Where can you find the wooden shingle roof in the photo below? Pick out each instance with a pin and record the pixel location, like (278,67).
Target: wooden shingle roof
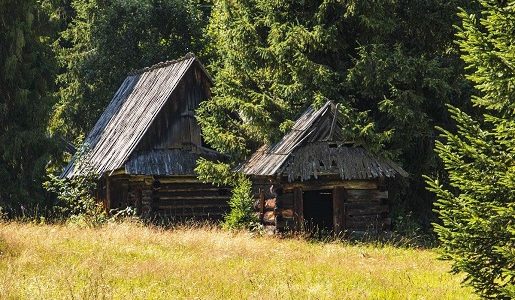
(315,145)
(165,162)
(129,115)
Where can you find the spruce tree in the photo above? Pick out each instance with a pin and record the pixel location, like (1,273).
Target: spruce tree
(102,41)
(477,203)
(271,61)
(391,72)
(26,76)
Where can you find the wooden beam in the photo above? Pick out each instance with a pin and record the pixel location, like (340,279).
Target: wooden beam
(178,179)
(108,195)
(261,205)
(330,184)
(119,171)
(298,208)
(338,209)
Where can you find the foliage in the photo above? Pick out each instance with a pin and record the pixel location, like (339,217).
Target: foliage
(26,75)
(215,172)
(103,40)
(75,200)
(404,76)
(477,204)
(270,63)
(391,72)
(242,214)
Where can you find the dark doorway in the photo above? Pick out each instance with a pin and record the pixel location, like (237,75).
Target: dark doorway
(119,190)
(318,210)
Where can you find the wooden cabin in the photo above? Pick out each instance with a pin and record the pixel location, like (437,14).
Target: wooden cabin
(312,179)
(145,145)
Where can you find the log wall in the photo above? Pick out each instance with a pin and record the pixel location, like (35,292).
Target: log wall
(178,197)
(357,205)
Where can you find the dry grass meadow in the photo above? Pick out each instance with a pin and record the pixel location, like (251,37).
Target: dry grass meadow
(131,261)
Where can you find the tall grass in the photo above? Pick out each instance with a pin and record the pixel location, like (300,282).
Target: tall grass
(132,261)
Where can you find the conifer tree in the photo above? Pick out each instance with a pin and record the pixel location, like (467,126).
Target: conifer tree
(477,204)
(26,75)
(272,60)
(391,72)
(104,40)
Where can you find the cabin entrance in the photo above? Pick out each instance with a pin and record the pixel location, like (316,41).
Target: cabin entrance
(318,210)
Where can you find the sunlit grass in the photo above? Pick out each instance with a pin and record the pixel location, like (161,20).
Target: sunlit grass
(131,261)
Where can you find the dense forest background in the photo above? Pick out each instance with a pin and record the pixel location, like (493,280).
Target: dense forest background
(427,83)
(393,66)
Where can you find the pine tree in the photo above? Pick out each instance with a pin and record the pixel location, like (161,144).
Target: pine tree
(391,72)
(104,40)
(477,205)
(272,60)
(26,75)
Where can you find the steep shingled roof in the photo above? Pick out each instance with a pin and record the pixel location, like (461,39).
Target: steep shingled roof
(315,145)
(129,115)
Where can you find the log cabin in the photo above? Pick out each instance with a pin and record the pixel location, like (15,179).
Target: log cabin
(144,146)
(314,180)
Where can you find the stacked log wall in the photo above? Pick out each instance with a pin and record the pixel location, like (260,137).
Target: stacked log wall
(176,198)
(191,200)
(357,205)
(366,210)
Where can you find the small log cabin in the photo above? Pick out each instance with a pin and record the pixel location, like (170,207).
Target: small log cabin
(312,179)
(145,145)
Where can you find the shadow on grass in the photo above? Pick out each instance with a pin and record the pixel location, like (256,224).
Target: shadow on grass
(371,237)
(313,234)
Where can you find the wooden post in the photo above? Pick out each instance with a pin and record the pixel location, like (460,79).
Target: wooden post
(298,208)
(338,209)
(108,195)
(261,205)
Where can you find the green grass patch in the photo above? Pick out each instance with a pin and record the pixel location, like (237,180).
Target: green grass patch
(130,261)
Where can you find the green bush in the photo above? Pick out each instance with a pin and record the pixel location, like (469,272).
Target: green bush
(242,214)
(75,200)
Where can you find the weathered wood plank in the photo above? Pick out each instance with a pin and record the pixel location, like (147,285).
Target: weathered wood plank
(338,209)
(269,217)
(298,208)
(368,194)
(366,210)
(269,204)
(195,193)
(191,198)
(108,195)
(330,184)
(189,206)
(262,205)
(194,201)
(287,213)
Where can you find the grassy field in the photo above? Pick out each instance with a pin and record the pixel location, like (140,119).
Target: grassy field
(130,261)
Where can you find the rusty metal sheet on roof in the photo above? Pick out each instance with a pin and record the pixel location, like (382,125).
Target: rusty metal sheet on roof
(129,114)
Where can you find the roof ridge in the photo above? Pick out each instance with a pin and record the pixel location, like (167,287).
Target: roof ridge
(162,64)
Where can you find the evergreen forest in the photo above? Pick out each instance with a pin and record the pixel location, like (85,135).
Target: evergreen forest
(428,84)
